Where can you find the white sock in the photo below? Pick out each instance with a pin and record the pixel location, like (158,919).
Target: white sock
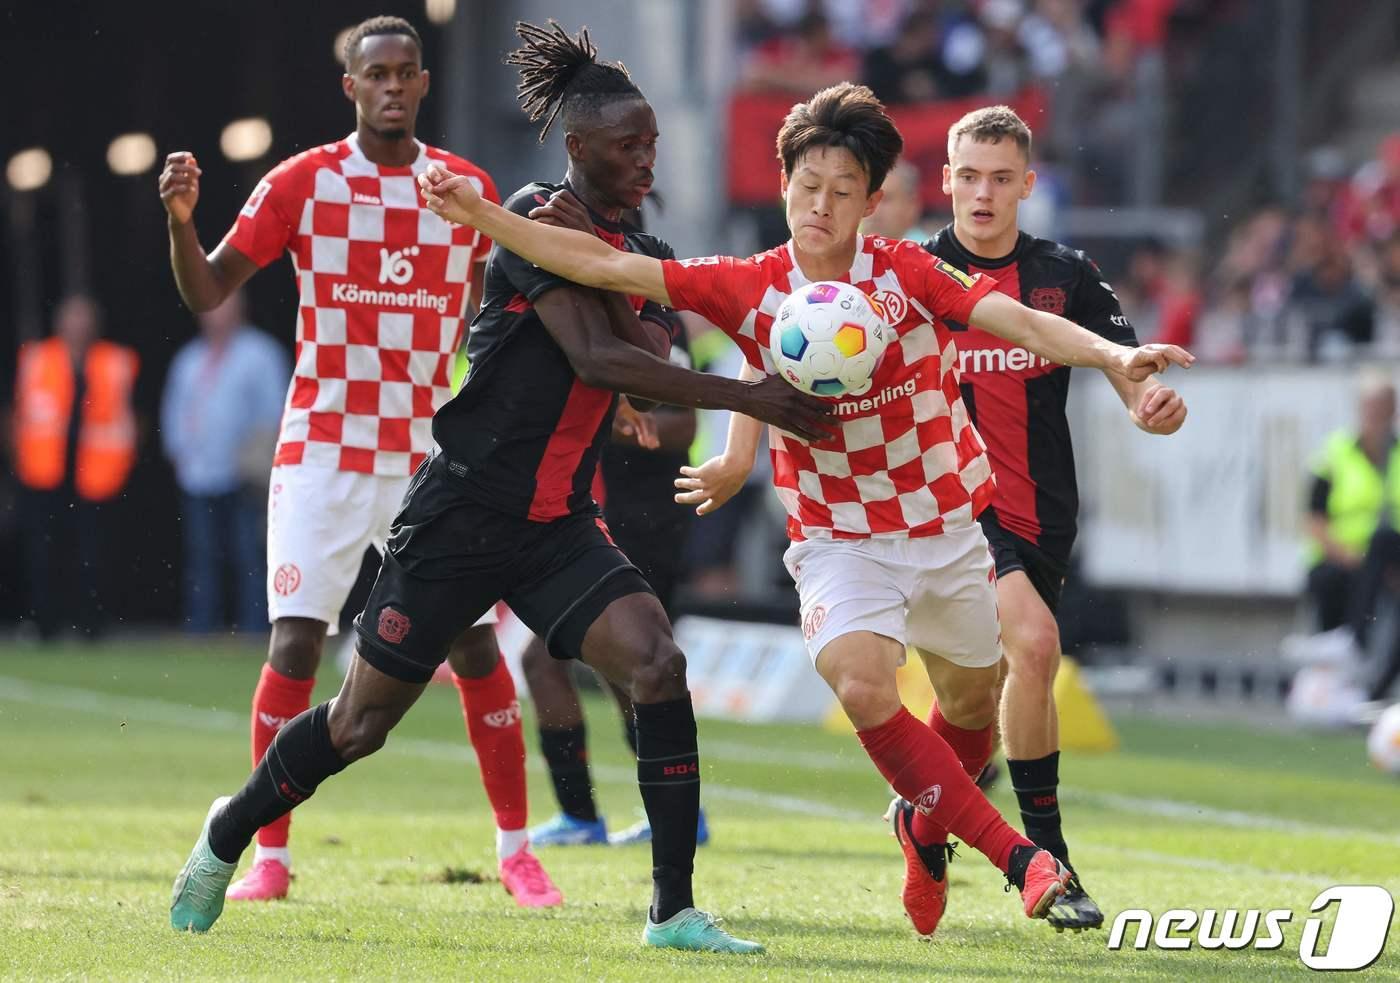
(509,842)
(281,854)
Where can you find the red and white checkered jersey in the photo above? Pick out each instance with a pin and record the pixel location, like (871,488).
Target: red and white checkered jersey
(384,284)
(906,460)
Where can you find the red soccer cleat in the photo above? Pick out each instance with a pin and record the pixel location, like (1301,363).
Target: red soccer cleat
(925,871)
(527,881)
(1045,880)
(267,881)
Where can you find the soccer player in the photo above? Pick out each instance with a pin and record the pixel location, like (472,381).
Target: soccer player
(634,489)
(383,288)
(1017,402)
(504,510)
(886,552)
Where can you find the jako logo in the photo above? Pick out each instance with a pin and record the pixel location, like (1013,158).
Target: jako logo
(395,267)
(1358,937)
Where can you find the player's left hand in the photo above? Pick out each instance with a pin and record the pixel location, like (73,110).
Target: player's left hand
(1161,410)
(711,484)
(1147,360)
(452,197)
(629,423)
(565,211)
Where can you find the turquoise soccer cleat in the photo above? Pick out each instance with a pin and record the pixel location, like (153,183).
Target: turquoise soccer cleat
(198,897)
(694,930)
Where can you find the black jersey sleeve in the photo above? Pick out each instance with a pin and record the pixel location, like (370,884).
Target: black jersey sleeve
(1095,306)
(660,314)
(524,276)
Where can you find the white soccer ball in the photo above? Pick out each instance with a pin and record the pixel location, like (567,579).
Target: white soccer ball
(827,339)
(1383,744)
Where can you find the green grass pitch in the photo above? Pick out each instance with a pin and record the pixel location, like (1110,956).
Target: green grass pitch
(109,757)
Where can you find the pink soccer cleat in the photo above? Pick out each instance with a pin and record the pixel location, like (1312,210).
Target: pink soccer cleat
(527,882)
(267,881)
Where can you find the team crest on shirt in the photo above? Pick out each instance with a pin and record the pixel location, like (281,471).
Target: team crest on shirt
(1049,299)
(955,274)
(393,625)
(890,305)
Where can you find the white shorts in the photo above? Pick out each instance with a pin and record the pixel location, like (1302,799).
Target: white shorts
(937,593)
(319,522)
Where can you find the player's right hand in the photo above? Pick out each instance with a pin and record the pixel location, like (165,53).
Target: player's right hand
(774,401)
(711,484)
(450,196)
(179,185)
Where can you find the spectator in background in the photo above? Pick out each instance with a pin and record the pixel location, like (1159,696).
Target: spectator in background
(1373,202)
(218,420)
(74,441)
(907,69)
(1347,499)
(900,209)
(802,62)
(1335,312)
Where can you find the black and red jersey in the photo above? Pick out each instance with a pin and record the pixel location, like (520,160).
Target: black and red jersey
(1016,398)
(524,433)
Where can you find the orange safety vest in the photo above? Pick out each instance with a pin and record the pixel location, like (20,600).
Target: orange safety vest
(43,408)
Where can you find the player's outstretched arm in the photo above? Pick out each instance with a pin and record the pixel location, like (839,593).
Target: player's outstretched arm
(576,320)
(1066,343)
(720,478)
(575,256)
(1153,407)
(204,282)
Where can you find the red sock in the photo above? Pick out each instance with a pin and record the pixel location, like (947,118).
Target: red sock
(277,700)
(974,750)
(493,723)
(923,769)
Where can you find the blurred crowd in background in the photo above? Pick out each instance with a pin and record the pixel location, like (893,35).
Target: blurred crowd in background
(1206,253)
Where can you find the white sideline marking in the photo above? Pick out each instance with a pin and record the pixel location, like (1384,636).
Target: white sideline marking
(121,707)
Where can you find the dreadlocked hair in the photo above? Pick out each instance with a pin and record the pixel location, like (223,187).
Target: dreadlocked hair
(560,74)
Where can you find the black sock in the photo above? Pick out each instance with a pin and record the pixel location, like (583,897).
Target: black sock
(629,732)
(299,758)
(668,775)
(1036,783)
(566,753)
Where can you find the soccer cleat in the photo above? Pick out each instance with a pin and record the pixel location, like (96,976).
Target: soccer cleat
(1043,882)
(1074,910)
(694,931)
(988,776)
(197,899)
(565,830)
(925,871)
(640,832)
(527,881)
(267,881)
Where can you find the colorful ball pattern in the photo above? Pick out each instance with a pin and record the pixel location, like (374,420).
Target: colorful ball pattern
(827,339)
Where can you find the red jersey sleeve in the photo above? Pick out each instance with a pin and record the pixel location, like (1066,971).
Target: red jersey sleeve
(721,289)
(948,292)
(268,220)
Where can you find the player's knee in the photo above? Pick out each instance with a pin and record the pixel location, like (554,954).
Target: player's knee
(295,647)
(357,734)
(474,655)
(866,702)
(659,673)
(1036,654)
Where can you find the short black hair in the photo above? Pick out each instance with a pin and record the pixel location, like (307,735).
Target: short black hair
(560,75)
(843,115)
(376,26)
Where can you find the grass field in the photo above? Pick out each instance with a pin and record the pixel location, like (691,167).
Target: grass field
(109,758)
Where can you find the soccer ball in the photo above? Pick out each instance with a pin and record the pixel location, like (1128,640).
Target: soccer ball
(827,339)
(1383,744)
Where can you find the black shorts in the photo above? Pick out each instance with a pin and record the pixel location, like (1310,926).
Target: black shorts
(1010,553)
(657,549)
(449,559)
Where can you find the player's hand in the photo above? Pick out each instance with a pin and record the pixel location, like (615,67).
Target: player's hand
(631,424)
(1161,410)
(711,484)
(774,401)
(179,185)
(1146,361)
(452,197)
(565,211)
